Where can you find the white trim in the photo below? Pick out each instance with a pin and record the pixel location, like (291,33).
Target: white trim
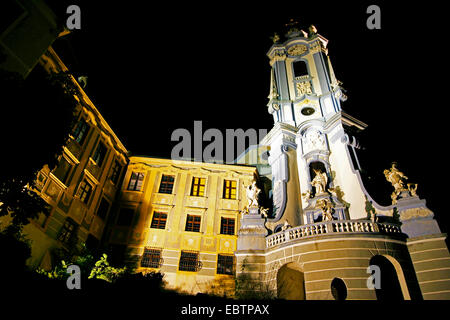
(428,250)
(428,260)
(346,268)
(437,292)
(429,281)
(425,240)
(429,270)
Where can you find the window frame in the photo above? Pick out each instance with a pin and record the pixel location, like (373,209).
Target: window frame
(90,192)
(100,162)
(67,230)
(152,258)
(222,266)
(189,263)
(102,200)
(163,184)
(67,173)
(226,227)
(158,219)
(76,133)
(139,174)
(195,187)
(193,225)
(228,190)
(116,171)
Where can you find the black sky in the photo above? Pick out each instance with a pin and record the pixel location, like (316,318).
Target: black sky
(157,67)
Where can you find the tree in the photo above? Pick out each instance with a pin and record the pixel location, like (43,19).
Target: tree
(37,114)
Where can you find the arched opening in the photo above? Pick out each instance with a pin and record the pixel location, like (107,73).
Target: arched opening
(291,282)
(392,284)
(338,289)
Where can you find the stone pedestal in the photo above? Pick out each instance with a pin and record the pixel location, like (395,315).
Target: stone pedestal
(251,235)
(417,220)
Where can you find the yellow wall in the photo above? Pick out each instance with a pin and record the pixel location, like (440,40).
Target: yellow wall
(208,242)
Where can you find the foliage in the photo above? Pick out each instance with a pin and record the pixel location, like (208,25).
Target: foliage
(30,136)
(102,270)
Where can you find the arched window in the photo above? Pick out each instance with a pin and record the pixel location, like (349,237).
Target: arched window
(338,289)
(300,68)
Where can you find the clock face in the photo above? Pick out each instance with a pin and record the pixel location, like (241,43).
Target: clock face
(307,111)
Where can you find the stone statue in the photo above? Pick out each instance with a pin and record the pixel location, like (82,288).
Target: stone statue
(320,181)
(395,177)
(371,212)
(312,30)
(285,225)
(327,209)
(412,187)
(264,212)
(252,195)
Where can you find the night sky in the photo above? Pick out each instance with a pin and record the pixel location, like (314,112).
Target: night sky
(155,68)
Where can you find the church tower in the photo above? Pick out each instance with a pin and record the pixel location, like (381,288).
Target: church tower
(308,140)
(324,232)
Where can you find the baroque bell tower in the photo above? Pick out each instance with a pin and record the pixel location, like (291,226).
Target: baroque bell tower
(310,152)
(324,227)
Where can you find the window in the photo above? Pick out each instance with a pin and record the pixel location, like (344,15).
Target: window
(99,154)
(62,170)
(229,189)
(193,223)
(125,217)
(166,185)
(198,187)
(67,231)
(189,261)
(80,131)
(151,258)
(84,191)
(227,226)
(136,180)
(115,172)
(300,68)
(159,220)
(103,208)
(225,264)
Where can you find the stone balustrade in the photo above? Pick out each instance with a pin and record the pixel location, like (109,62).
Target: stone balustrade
(331,227)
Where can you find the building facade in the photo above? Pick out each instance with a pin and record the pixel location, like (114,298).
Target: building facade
(82,188)
(181,218)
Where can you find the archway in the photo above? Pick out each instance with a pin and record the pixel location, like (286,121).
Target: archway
(291,282)
(392,280)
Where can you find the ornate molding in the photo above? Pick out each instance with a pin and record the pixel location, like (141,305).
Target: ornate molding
(297,50)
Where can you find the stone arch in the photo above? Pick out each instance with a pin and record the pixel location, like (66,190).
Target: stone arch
(291,282)
(393,282)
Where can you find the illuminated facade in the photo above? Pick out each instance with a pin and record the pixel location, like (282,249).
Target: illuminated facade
(193,222)
(182,218)
(326,230)
(82,188)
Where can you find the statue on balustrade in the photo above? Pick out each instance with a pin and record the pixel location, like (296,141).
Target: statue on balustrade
(327,209)
(253,194)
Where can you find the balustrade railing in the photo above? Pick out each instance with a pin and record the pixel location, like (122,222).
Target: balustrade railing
(331,227)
